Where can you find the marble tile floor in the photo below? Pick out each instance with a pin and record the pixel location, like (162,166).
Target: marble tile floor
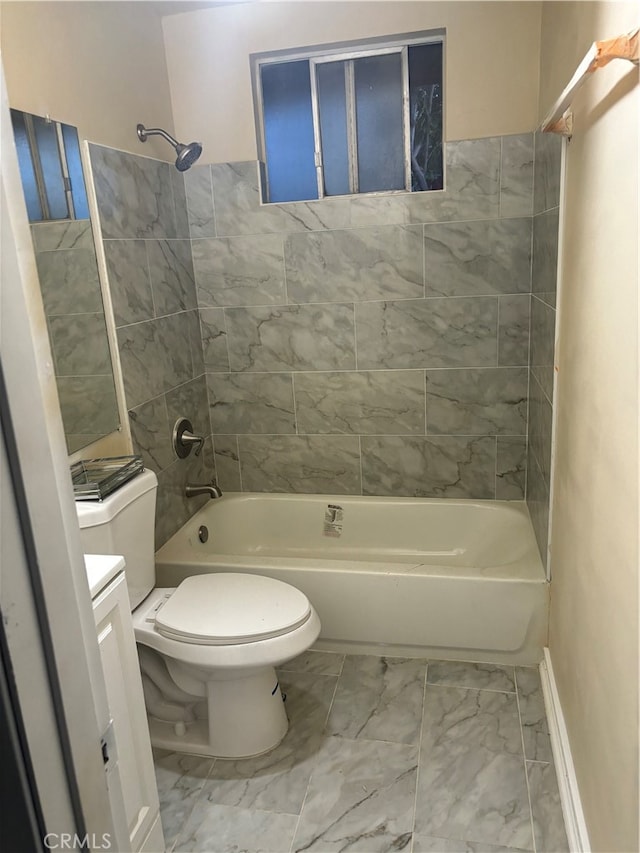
(382,754)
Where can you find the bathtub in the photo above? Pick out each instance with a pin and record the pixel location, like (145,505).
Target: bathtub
(454,579)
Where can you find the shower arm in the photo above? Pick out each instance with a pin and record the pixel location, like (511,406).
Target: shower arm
(144,132)
(186,154)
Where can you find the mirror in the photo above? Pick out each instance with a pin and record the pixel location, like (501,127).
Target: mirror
(56,198)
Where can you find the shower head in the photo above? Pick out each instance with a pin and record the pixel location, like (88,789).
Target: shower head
(187,154)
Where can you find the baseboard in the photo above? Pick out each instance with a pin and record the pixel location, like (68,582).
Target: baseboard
(574,821)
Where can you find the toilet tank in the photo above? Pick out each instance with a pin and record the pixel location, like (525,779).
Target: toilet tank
(123,523)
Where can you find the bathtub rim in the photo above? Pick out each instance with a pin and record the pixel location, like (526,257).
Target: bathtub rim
(528,567)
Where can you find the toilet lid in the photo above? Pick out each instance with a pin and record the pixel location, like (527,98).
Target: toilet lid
(227,608)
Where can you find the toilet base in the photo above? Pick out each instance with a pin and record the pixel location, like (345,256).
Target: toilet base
(246,717)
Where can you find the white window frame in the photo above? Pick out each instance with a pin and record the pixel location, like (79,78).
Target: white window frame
(319,56)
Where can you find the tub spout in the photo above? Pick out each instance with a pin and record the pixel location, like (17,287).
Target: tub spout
(212,489)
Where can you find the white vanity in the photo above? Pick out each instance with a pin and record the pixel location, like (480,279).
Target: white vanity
(129,763)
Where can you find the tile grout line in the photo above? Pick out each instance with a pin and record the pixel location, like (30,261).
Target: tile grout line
(424,262)
(355,337)
(284,272)
(237,438)
(324,735)
(425,379)
(295,407)
(345,370)
(524,762)
(192,809)
(530,347)
(303,232)
(416,435)
(226,339)
(375,301)
(415,799)
(529,375)
(151,289)
(213,204)
(335,690)
(466,687)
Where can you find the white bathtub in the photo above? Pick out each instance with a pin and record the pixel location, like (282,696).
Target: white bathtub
(400,576)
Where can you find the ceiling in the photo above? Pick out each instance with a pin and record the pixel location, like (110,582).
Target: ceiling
(178,7)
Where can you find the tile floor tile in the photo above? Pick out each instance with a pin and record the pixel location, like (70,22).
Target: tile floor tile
(548,823)
(473,718)
(224,829)
(431,844)
(484,676)
(379,698)
(535,728)
(472,783)
(339,782)
(322,663)
(473,793)
(277,781)
(360,797)
(180,779)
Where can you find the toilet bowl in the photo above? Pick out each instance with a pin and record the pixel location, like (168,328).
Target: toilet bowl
(208,648)
(220,636)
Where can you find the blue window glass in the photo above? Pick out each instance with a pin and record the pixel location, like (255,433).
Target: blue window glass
(27,171)
(379,114)
(288,131)
(47,140)
(47,151)
(76,175)
(332,107)
(373,125)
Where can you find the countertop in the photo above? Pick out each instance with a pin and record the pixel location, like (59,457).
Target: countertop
(101,568)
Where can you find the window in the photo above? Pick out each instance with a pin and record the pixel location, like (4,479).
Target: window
(364,120)
(50,168)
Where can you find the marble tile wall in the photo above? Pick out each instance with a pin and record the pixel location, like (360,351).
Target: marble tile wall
(145,233)
(368,345)
(546,197)
(68,272)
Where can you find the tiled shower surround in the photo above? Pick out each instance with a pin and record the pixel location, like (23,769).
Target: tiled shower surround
(145,233)
(375,345)
(68,273)
(548,149)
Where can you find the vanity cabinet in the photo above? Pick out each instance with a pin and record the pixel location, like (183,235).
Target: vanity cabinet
(127,747)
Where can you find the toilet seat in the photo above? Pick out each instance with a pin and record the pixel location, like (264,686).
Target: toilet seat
(230,608)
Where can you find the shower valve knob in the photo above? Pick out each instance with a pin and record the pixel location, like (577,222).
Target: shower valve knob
(184,439)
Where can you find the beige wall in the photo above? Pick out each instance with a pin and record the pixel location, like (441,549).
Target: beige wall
(98,66)
(594,600)
(491,61)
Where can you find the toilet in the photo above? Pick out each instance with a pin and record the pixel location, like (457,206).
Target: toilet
(208,648)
